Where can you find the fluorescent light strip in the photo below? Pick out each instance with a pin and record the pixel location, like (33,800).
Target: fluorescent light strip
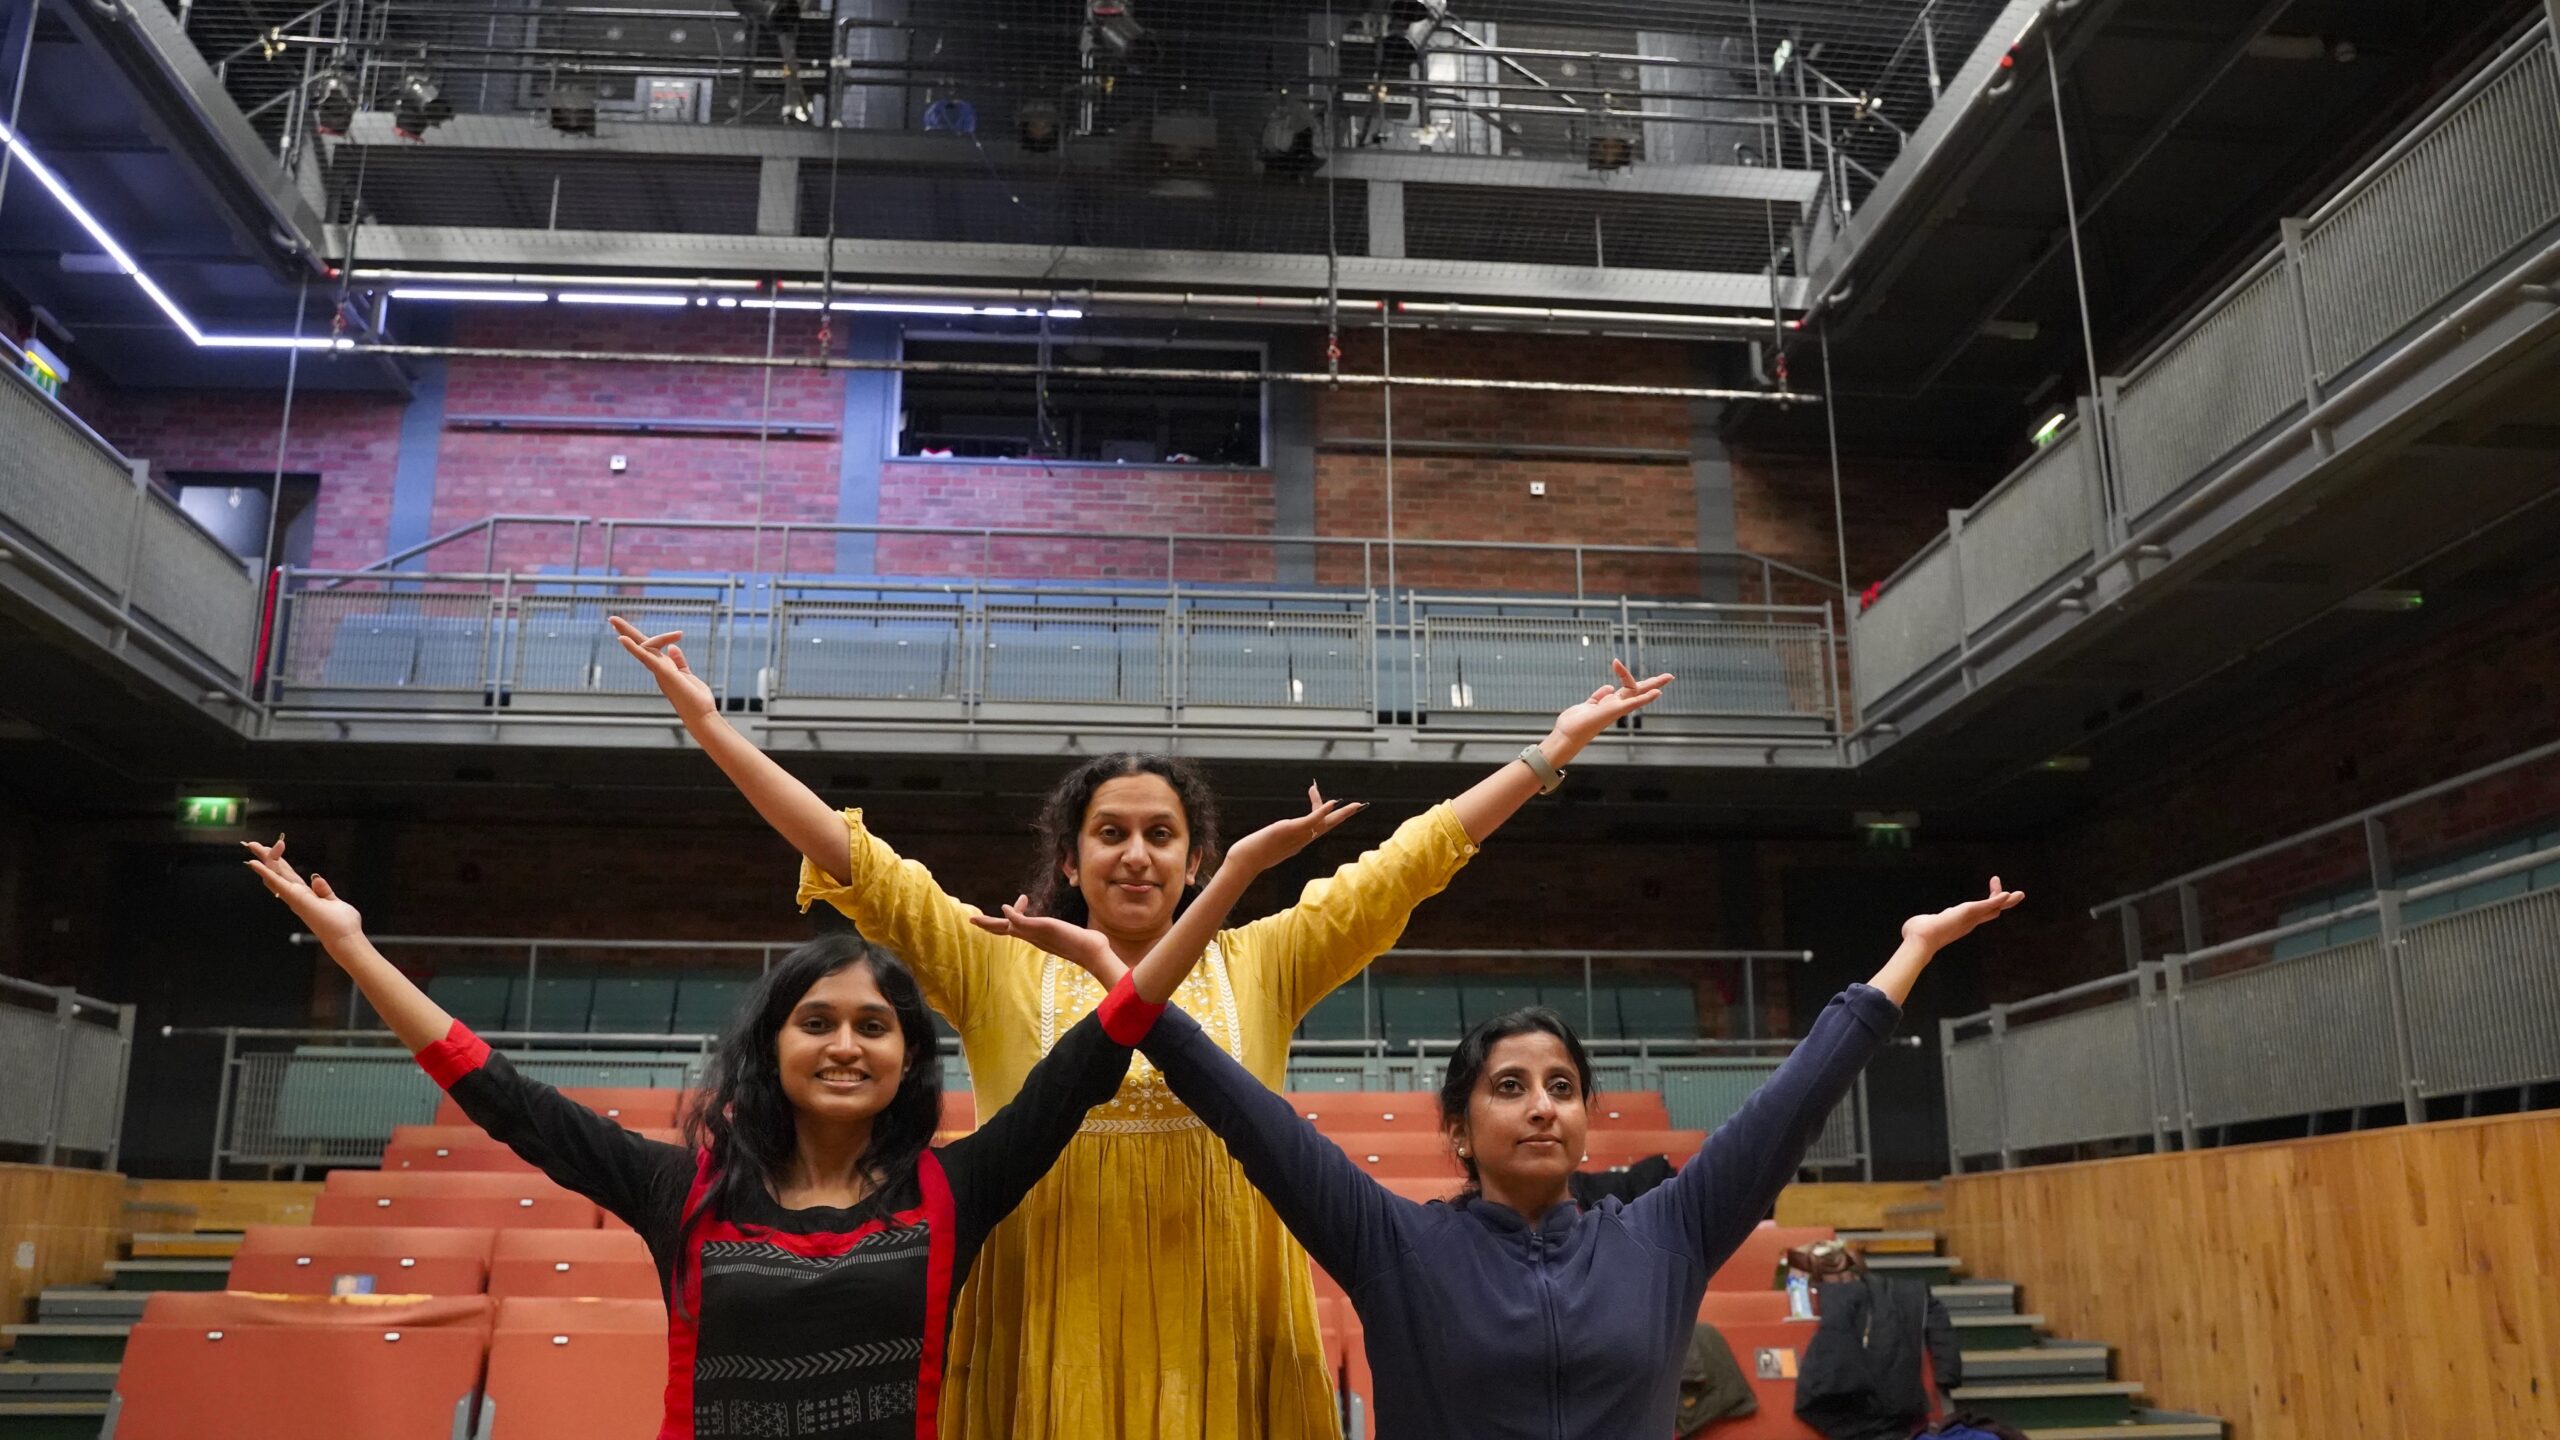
(625,298)
(479,277)
(481,297)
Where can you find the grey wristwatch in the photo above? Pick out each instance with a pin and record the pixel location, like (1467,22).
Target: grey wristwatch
(1549,777)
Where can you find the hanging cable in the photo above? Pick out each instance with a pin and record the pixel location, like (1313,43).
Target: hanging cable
(2079,268)
(1839,525)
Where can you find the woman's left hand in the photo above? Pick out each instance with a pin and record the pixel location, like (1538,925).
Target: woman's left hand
(1088,950)
(1947,926)
(1281,839)
(1581,724)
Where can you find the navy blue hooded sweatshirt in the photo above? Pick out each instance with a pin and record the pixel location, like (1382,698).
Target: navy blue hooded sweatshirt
(1483,1324)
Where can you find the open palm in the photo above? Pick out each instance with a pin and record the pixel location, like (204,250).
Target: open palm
(1609,704)
(666,663)
(1087,950)
(1957,921)
(313,903)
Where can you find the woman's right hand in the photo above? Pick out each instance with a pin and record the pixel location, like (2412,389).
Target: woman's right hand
(328,918)
(1281,839)
(685,690)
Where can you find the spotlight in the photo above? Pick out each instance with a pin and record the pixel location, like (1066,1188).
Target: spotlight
(1184,140)
(1288,145)
(333,100)
(1115,22)
(1037,123)
(1611,148)
(419,106)
(573,107)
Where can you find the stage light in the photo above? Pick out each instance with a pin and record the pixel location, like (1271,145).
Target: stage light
(332,98)
(572,107)
(1288,147)
(1036,122)
(419,106)
(1115,22)
(1612,147)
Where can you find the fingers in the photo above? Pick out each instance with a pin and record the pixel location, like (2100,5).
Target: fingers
(1342,811)
(675,654)
(1626,679)
(992,924)
(320,887)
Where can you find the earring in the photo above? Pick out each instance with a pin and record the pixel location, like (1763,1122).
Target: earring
(1462,1152)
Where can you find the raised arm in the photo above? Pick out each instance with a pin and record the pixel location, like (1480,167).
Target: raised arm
(794,810)
(994,1166)
(1499,796)
(1707,1209)
(640,1180)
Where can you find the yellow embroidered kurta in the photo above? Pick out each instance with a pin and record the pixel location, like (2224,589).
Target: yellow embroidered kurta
(1144,1288)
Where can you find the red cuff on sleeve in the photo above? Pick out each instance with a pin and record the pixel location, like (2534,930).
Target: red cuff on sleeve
(458,1054)
(1125,1017)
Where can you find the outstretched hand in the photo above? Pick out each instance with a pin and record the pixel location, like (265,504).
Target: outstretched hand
(318,907)
(1281,839)
(685,690)
(1088,950)
(1579,725)
(1957,921)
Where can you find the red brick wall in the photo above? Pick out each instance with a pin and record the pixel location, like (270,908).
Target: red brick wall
(1135,501)
(1486,497)
(1782,509)
(2483,690)
(351,441)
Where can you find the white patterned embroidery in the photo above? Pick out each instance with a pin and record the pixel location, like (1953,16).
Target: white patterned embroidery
(1145,1104)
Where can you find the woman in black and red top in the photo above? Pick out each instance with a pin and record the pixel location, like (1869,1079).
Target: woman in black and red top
(809,1236)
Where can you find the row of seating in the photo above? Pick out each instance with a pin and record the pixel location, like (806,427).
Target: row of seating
(1022,653)
(687,1002)
(1405,1009)
(230,1366)
(443,1260)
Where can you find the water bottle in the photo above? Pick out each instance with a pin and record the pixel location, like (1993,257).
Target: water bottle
(1799,1295)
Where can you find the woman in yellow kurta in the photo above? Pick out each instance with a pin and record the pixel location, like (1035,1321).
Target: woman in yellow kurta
(1143,1289)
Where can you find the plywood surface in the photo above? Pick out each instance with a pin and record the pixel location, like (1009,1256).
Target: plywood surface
(2395,1284)
(57,1227)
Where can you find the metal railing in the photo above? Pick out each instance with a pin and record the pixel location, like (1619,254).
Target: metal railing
(2462,198)
(63,1061)
(2226,1032)
(509,645)
(88,522)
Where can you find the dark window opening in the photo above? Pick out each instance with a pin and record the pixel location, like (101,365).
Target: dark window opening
(232,507)
(1213,420)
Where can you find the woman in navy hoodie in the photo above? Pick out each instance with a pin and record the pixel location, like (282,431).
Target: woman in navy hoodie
(1510,1311)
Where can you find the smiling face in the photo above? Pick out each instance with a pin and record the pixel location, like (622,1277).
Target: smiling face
(1526,1121)
(1133,857)
(841,1052)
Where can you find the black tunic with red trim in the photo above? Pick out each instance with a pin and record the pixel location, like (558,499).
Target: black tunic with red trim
(816,1322)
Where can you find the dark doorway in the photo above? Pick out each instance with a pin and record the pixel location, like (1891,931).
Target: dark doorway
(232,507)
(1851,917)
(195,941)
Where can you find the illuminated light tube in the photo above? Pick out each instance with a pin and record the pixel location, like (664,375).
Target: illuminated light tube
(621,297)
(1624,317)
(485,277)
(487,297)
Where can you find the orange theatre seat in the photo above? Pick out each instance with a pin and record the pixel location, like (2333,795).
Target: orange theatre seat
(1721,1308)
(576,1370)
(469,1148)
(208,1365)
(959,1112)
(361,1260)
(1781,1344)
(637,1109)
(1755,1265)
(1616,1149)
(1348,1112)
(484,1200)
(569,1264)
(1614,1110)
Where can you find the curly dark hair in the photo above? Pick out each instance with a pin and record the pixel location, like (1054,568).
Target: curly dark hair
(1467,1062)
(1061,820)
(740,1115)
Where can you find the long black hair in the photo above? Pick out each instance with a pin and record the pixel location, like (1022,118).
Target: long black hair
(1467,1062)
(743,1119)
(1061,820)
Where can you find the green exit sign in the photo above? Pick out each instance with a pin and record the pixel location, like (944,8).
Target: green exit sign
(212,812)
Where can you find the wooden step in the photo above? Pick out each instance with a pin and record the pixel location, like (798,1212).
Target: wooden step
(2048,1403)
(168,1274)
(92,1343)
(2145,1425)
(95,1304)
(54,1417)
(1915,1210)
(1978,1297)
(1891,1242)
(2059,1359)
(18,1377)
(186,1245)
(1933,1269)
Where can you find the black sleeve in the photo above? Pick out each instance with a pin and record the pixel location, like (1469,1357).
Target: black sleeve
(643,1182)
(993,1167)
(1946,1360)
(1590,1187)
(1352,1225)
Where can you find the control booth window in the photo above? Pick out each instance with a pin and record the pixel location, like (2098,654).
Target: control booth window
(1216,419)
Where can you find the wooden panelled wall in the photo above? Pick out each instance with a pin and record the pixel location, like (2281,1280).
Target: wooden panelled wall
(57,1227)
(2396,1284)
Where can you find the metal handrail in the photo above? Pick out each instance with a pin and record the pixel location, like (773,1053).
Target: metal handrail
(67,1006)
